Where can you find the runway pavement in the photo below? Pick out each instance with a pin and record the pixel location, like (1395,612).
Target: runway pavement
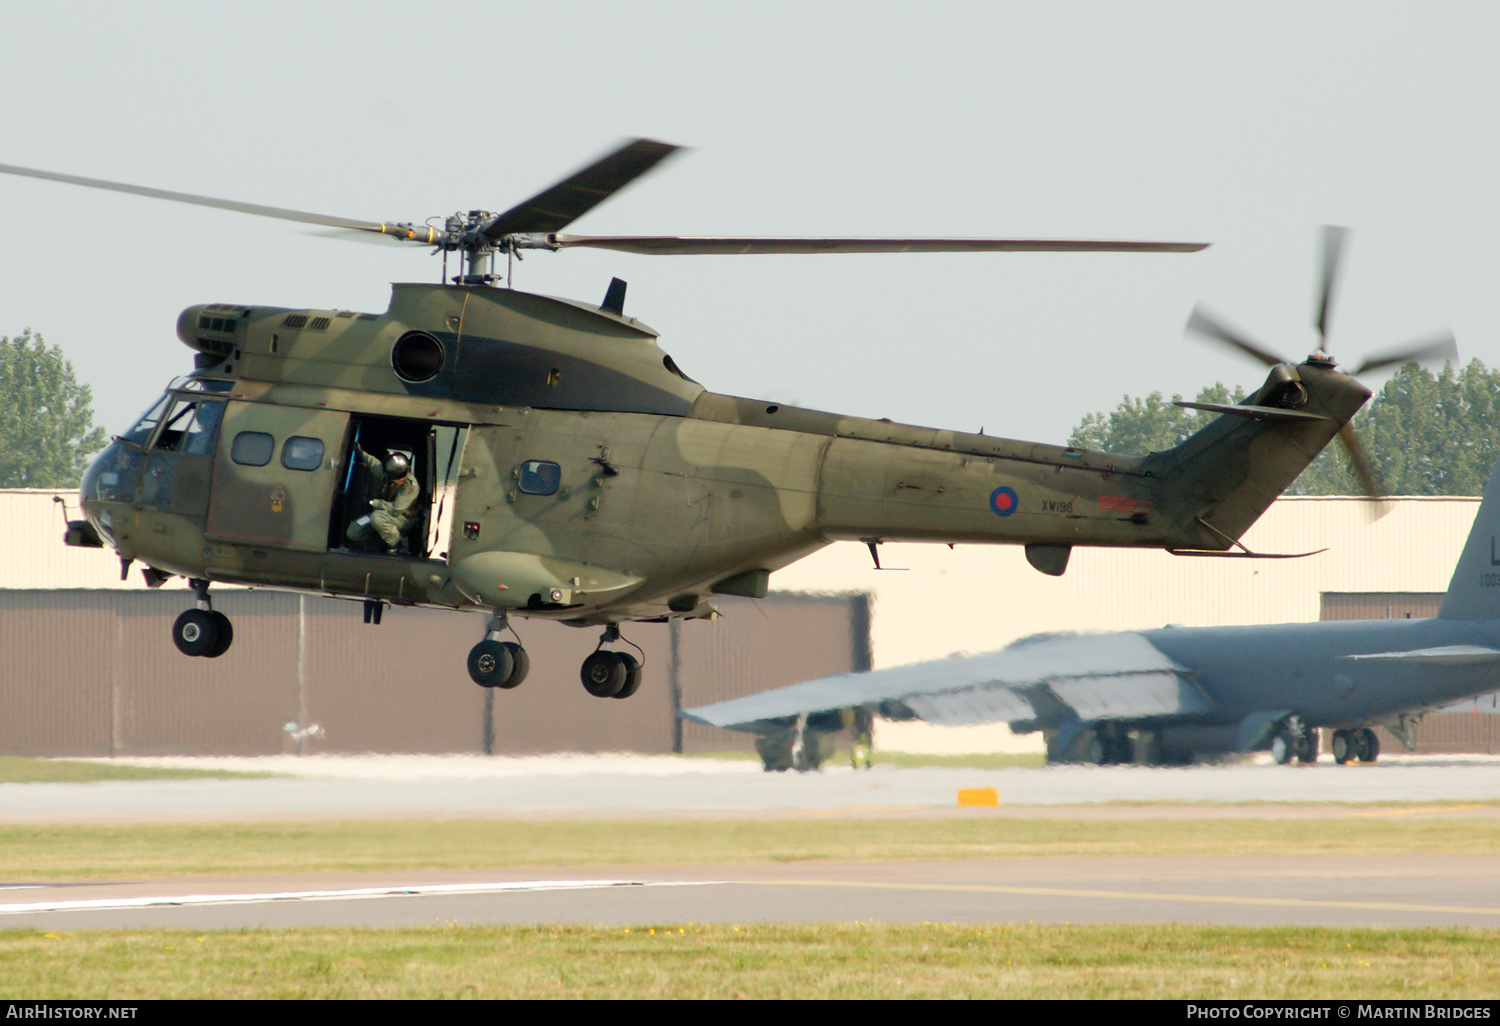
(1440,889)
(658,785)
(1373,891)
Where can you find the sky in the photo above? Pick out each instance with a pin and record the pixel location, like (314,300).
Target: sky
(1246,125)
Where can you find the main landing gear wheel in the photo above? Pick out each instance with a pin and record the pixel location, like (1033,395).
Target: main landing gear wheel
(605,674)
(491,664)
(498,664)
(1355,746)
(632,675)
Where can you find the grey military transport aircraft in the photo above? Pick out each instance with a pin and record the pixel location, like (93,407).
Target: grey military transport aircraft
(1173,695)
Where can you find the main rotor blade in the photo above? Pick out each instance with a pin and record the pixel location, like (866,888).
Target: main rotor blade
(1445,346)
(673,245)
(1202,323)
(1333,251)
(202,201)
(557,207)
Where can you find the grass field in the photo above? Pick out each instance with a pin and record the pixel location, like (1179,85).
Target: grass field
(15,769)
(144,850)
(838,960)
(686,960)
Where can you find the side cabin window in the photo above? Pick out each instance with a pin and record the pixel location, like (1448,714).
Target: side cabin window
(540,477)
(252,448)
(302,453)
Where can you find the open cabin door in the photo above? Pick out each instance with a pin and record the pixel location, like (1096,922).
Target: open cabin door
(435,453)
(275,474)
(446,452)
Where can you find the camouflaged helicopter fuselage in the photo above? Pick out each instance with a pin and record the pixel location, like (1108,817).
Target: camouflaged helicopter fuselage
(662,494)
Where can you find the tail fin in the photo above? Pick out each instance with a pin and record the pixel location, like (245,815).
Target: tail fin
(1474,591)
(1218,482)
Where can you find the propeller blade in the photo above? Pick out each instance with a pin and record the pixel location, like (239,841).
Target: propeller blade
(1445,346)
(1333,251)
(555,208)
(1204,324)
(203,201)
(1363,469)
(672,245)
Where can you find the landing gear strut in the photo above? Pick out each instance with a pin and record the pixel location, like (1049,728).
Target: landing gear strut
(608,674)
(203,631)
(498,664)
(1294,740)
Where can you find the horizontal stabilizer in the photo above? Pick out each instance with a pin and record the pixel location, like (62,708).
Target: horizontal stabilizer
(1255,412)
(1445,655)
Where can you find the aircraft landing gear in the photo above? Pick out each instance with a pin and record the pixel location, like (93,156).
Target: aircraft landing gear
(609,674)
(498,664)
(1355,746)
(1293,740)
(203,631)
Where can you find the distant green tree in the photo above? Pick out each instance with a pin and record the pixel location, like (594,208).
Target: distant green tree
(1139,426)
(47,427)
(1423,434)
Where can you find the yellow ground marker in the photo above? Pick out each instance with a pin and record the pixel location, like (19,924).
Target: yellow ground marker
(981,796)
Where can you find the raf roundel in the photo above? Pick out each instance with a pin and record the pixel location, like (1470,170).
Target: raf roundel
(1004,501)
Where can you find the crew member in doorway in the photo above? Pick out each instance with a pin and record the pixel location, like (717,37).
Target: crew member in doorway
(393,503)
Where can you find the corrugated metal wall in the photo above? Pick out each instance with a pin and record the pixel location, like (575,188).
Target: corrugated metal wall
(95,673)
(1449,733)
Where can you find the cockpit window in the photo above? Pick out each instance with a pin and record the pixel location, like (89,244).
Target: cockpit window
(199,440)
(141,432)
(189,426)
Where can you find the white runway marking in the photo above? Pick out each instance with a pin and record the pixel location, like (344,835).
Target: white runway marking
(348,894)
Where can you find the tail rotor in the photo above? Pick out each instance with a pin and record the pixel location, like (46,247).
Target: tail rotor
(1444,346)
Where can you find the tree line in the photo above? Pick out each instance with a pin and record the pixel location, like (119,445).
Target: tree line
(47,431)
(1423,433)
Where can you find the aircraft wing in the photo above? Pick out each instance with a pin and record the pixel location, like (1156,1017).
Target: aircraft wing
(1035,683)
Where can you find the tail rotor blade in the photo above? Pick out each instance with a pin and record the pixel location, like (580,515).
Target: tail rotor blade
(1205,324)
(1444,347)
(1364,470)
(1333,252)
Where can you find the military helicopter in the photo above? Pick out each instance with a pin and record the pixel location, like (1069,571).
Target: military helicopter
(569,470)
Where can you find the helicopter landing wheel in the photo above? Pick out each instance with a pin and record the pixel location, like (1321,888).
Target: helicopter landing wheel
(604,674)
(520,664)
(491,664)
(225,631)
(196,632)
(632,675)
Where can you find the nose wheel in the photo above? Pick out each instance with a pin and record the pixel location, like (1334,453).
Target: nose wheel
(203,631)
(610,674)
(498,664)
